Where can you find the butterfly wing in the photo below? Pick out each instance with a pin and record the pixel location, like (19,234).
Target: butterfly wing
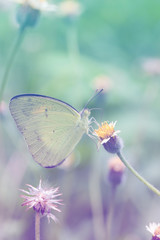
(49,126)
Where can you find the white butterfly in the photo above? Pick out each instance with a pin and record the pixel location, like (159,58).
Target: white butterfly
(51,127)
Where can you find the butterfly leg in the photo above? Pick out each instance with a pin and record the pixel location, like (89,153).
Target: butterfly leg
(93,120)
(95,139)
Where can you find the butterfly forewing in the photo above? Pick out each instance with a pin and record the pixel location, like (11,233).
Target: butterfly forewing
(49,126)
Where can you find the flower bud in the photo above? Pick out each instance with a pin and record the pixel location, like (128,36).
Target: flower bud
(116,171)
(27,16)
(113,145)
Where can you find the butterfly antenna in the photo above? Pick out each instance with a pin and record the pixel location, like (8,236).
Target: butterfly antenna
(95,109)
(97,92)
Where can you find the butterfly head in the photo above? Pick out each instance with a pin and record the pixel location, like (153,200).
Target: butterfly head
(84,120)
(85,113)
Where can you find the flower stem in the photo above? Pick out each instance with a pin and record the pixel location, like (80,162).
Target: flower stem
(10,61)
(37,226)
(72,40)
(127,164)
(96,201)
(73,51)
(109,220)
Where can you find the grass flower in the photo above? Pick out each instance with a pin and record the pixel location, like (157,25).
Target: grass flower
(3,108)
(42,200)
(108,137)
(41,5)
(154,229)
(151,66)
(70,8)
(29,11)
(106,131)
(102,82)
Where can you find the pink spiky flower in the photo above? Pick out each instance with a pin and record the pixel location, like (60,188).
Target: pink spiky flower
(43,201)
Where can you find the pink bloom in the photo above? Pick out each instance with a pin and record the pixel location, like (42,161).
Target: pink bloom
(42,200)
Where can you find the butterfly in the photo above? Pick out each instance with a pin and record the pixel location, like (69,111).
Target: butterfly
(52,128)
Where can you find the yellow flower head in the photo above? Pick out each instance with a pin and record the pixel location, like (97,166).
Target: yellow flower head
(106,131)
(108,137)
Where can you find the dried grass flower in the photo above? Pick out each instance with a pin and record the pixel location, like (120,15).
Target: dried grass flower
(42,200)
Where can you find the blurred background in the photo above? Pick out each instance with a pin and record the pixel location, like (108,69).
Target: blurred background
(85,45)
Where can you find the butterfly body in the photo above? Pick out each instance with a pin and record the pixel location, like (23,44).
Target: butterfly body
(51,127)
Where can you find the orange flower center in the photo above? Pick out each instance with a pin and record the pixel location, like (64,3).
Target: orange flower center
(105,130)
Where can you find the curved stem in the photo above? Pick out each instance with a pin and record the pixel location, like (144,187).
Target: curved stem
(37,226)
(10,61)
(127,164)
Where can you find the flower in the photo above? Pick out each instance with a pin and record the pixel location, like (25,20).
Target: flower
(102,82)
(151,66)
(42,200)
(41,5)
(70,8)
(106,131)
(116,170)
(108,137)
(29,11)
(3,108)
(154,229)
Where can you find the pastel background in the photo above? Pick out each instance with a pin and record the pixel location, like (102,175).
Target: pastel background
(111,44)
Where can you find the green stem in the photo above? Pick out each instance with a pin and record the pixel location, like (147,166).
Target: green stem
(73,51)
(72,41)
(37,226)
(109,220)
(96,201)
(150,186)
(10,61)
